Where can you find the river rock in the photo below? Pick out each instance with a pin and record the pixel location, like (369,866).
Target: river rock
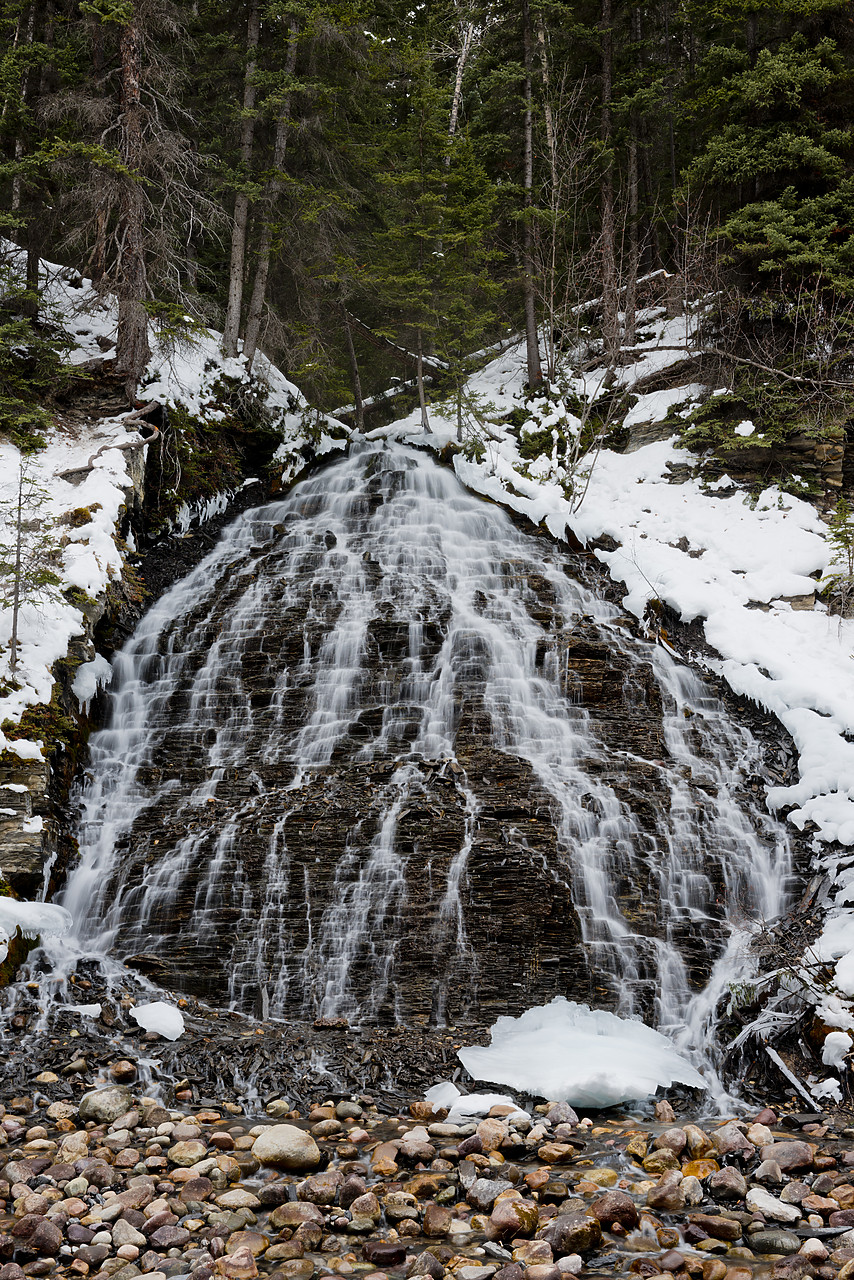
(436,1220)
(427,1264)
(571,1233)
(561,1113)
(789,1155)
(774,1240)
(667,1194)
(675,1140)
(769,1206)
(514,1217)
(730,1141)
(616,1206)
(727,1184)
(294,1212)
(46,1239)
(483,1192)
(240,1265)
(383,1253)
(287,1147)
(105,1105)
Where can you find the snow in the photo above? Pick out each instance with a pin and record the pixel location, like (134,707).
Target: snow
(87,1010)
(745,428)
(88,471)
(463,1105)
(836,1045)
(569,1052)
(160,1017)
(32,826)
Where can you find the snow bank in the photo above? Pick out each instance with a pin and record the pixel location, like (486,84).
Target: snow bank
(163,1018)
(568,1052)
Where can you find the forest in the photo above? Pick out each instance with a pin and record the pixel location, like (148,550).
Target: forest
(370,191)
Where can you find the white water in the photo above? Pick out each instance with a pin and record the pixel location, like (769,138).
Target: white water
(482,613)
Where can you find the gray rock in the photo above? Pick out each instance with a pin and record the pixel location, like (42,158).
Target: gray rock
(774,1240)
(287,1147)
(105,1105)
(483,1192)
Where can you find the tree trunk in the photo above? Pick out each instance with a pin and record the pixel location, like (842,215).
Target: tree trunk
(532,341)
(274,188)
(240,220)
(419,376)
(132,349)
(465,49)
(354,371)
(630,305)
(550,268)
(609,228)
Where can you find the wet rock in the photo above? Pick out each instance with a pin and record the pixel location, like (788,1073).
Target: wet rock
(770,1172)
(730,1141)
(572,1233)
(436,1220)
(760,1201)
(470,1146)
(718,1228)
(287,1147)
(427,1264)
(293,1213)
(351,1188)
(46,1238)
(512,1271)
(321,1188)
(789,1155)
(773,1240)
(105,1105)
(727,1184)
(675,1140)
(483,1192)
(382,1253)
(616,1206)
(667,1194)
(514,1217)
(240,1265)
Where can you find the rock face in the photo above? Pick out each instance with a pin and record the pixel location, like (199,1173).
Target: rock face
(287,1147)
(398,708)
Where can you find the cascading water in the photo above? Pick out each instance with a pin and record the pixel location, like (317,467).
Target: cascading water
(379,756)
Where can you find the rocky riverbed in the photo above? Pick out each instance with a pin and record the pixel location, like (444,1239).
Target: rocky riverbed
(114,1185)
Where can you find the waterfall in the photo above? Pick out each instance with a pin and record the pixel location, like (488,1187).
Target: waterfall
(382,756)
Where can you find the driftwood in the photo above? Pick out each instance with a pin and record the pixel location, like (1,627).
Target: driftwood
(136,416)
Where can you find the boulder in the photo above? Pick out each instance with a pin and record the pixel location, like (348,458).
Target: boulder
(105,1105)
(287,1147)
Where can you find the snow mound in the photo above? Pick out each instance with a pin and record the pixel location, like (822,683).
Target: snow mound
(161,1017)
(462,1105)
(569,1052)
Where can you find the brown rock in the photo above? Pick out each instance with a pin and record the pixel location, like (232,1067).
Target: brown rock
(556,1153)
(717,1228)
(436,1220)
(789,1155)
(240,1265)
(293,1212)
(514,1217)
(616,1206)
(571,1233)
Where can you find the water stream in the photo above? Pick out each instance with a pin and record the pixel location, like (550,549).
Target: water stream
(382,756)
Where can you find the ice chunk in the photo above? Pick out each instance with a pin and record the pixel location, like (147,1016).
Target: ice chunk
(161,1017)
(34,919)
(88,1010)
(459,1104)
(568,1052)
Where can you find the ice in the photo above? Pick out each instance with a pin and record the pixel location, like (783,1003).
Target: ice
(462,1105)
(87,1010)
(34,919)
(163,1018)
(569,1052)
(89,678)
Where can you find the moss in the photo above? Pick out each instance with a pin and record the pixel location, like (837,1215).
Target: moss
(82,515)
(45,720)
